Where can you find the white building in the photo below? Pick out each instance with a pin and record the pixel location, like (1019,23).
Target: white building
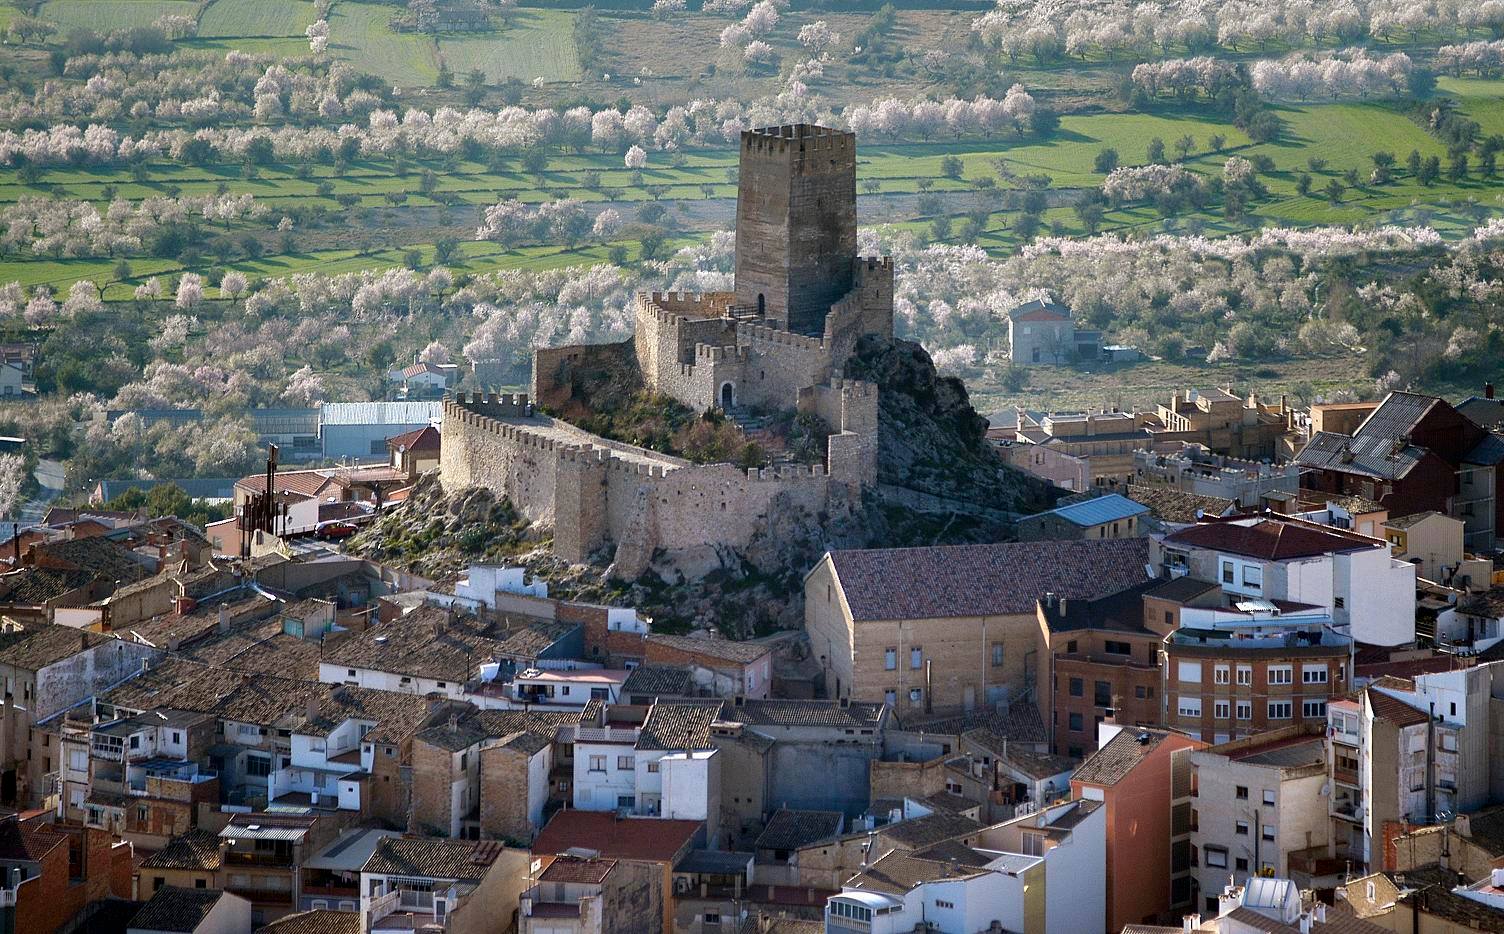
(1370,594)
(957,889)
(663,766)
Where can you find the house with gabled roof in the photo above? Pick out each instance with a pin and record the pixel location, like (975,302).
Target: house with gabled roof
(1042,331)
(1411,454)
(949,628)
(450,886)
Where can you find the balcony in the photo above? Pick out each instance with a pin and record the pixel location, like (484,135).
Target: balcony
(1347,809)
(1346,777)
(271,860)
(331,891)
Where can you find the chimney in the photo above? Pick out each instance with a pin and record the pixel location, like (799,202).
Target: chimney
(1190,923)
(1488,393)
(311,707)
(185,605)
(223,625)
(1496,878)
(83,640)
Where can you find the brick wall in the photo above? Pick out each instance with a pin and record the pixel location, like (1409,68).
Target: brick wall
(433,777)
(504,794)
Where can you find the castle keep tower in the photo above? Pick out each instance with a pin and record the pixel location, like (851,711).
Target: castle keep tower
(795,223)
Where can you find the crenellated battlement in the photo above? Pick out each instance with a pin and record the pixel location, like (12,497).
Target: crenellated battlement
(797,138)
(759,334)
(708,353)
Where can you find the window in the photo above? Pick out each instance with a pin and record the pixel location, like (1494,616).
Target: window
(916,658)
(712,917)
(1102,693)
(258,766)
(176,737)
(625,764)
(1240,864)
(1313,709)
(1268,797)
(915,695)
(1077,687)
(997,654)
(1221,674)
(1279,710)
(1253,577)
(890,659)
(1189,706)
(1240,828)
(1245,674)
(626,801)
(1077,725)
(1280,674)
(143,813)
(1227,575)
(1223,710)
(1139,692)
(1118,648)
(1449,742)
(1313,674)
(890,698)
(597,763)
(1169,617)
(1070,647)
(1269,832)
(1215,857)
(652,767)
(1190,672)
(1241,793)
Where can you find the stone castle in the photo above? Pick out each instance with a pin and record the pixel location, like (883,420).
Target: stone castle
(779,341)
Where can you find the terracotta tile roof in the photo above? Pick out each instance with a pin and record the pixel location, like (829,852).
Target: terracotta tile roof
(727,649)
(789,830)
(899,871)
(433,858)
(196,849)
(1039,310)
(1394,710)
(1434,896)
(35,586)
(427,643)
(1112,762)
(419,439)
(804,713)
(1020,724)
(642,838)
(578,870)
(920,832)
(655,680)
(320,921)
(21,843)
(1271,539)
(97,555)
(1181,589)
(983,580)
(678,726)
(302,483)
(176,909)
(1177,505)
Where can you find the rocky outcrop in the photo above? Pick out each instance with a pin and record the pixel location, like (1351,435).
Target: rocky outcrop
(939,483)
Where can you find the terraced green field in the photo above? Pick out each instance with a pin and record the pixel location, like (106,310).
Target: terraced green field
(105,15)
(359,34)
(258,18)
(537,44)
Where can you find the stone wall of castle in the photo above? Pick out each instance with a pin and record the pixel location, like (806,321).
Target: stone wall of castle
(850,407)
(596,493)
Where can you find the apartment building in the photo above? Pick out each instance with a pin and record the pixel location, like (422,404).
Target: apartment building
(1236,672)
(440,886)
(1369,594)
(1408,750)
(1097,659)
(581,895)
(1143,778)
(1258,799)
(663,764)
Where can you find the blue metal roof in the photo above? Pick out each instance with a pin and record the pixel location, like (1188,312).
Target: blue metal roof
(1109,508)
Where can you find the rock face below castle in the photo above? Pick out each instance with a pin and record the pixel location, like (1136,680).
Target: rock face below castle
(779,341)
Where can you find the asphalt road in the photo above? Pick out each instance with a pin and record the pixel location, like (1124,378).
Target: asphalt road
(50,475)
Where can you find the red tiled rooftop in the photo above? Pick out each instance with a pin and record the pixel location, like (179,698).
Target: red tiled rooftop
(1271,539)
(642,838)
(419,439)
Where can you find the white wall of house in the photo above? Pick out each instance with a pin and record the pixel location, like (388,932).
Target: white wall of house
(599,780)
(1378,595)
(1075,886)
(691,784)
(388,681)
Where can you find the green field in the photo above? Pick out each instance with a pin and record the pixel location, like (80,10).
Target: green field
(538,44)
(359,34)
(241,18)
(280,47)
(106,15)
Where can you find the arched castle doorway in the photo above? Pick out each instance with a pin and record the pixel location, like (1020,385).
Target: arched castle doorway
(728,396)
